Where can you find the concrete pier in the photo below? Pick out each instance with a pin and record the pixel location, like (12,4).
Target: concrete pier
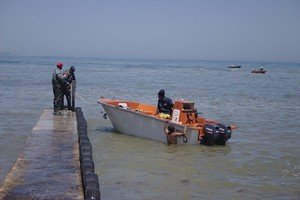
(49,166)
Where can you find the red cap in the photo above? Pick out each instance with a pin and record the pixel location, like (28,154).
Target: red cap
(59,65)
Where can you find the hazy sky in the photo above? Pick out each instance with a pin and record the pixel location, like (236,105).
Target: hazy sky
(251,30)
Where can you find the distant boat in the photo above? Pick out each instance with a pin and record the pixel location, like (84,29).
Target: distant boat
(258,71)
(234,66)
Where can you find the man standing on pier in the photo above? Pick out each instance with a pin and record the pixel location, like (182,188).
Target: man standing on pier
(58,83)
(70,76)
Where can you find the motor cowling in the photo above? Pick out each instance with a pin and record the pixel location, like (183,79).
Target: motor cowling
(211,134)
(224,134)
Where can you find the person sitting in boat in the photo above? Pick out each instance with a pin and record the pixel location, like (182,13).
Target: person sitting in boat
(261,69)
(172,134)
(164,104)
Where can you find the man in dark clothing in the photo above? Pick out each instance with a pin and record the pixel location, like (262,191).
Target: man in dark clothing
(164,104)
(70,76)
(58,82)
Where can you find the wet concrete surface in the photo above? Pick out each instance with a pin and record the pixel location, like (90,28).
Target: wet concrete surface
(48,167)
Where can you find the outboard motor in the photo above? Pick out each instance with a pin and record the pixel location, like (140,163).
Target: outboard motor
(225,134)
(211,134)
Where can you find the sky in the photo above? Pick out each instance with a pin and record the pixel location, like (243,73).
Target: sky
(241,30)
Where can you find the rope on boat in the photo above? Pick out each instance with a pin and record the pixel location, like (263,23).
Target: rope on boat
(185,139)
(82,98)
(102,112)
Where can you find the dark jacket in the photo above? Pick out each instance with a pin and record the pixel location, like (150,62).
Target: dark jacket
(165,105)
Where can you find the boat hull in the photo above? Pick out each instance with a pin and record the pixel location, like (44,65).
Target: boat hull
(234,66)
(258,71)
(135,123)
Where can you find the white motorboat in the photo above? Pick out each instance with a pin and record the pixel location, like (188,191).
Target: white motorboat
(140,120)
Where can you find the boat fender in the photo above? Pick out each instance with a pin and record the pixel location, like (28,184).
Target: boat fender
(85,145)
(86,157)
(90,177)
(85,152)
(92,193)
(91,186)
(87,166)
(83,138)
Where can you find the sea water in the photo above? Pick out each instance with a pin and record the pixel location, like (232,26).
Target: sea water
(260,161)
